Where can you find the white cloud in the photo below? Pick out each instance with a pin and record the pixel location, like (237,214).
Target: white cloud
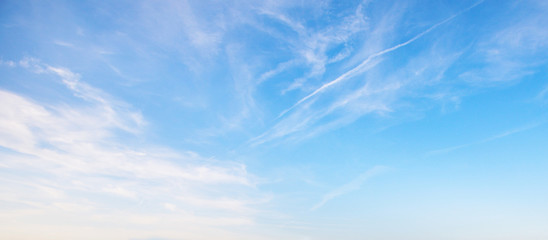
(366,64)
(63,44)
(67,162)
(311,46)
(8,63)
(367,88)
(375,92)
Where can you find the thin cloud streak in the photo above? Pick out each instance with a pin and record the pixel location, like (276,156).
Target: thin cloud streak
(380,94)
(363,64)
(542,94)
(486,140)
(350,186)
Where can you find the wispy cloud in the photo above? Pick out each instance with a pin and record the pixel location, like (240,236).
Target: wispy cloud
(380,84)
(486,140)
(511,53)
(366,63)
(542,94)
(311,48)
(68,160)
(8,63)
(380,94)
(63,44)
(350,186)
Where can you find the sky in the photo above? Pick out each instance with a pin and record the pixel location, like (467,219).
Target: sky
(274,119)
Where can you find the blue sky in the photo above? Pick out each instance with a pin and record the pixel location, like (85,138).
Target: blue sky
(274,119)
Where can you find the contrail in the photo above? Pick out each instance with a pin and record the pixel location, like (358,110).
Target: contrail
(366,61)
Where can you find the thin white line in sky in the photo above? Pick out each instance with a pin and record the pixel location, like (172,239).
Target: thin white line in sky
(356,69)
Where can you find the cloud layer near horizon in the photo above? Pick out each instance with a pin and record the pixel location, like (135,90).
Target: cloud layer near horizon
(66,164)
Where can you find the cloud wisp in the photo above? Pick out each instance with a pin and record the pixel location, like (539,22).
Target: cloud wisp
(486,140)
(68,161)
(363,65)
(353,185)
(380,92)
